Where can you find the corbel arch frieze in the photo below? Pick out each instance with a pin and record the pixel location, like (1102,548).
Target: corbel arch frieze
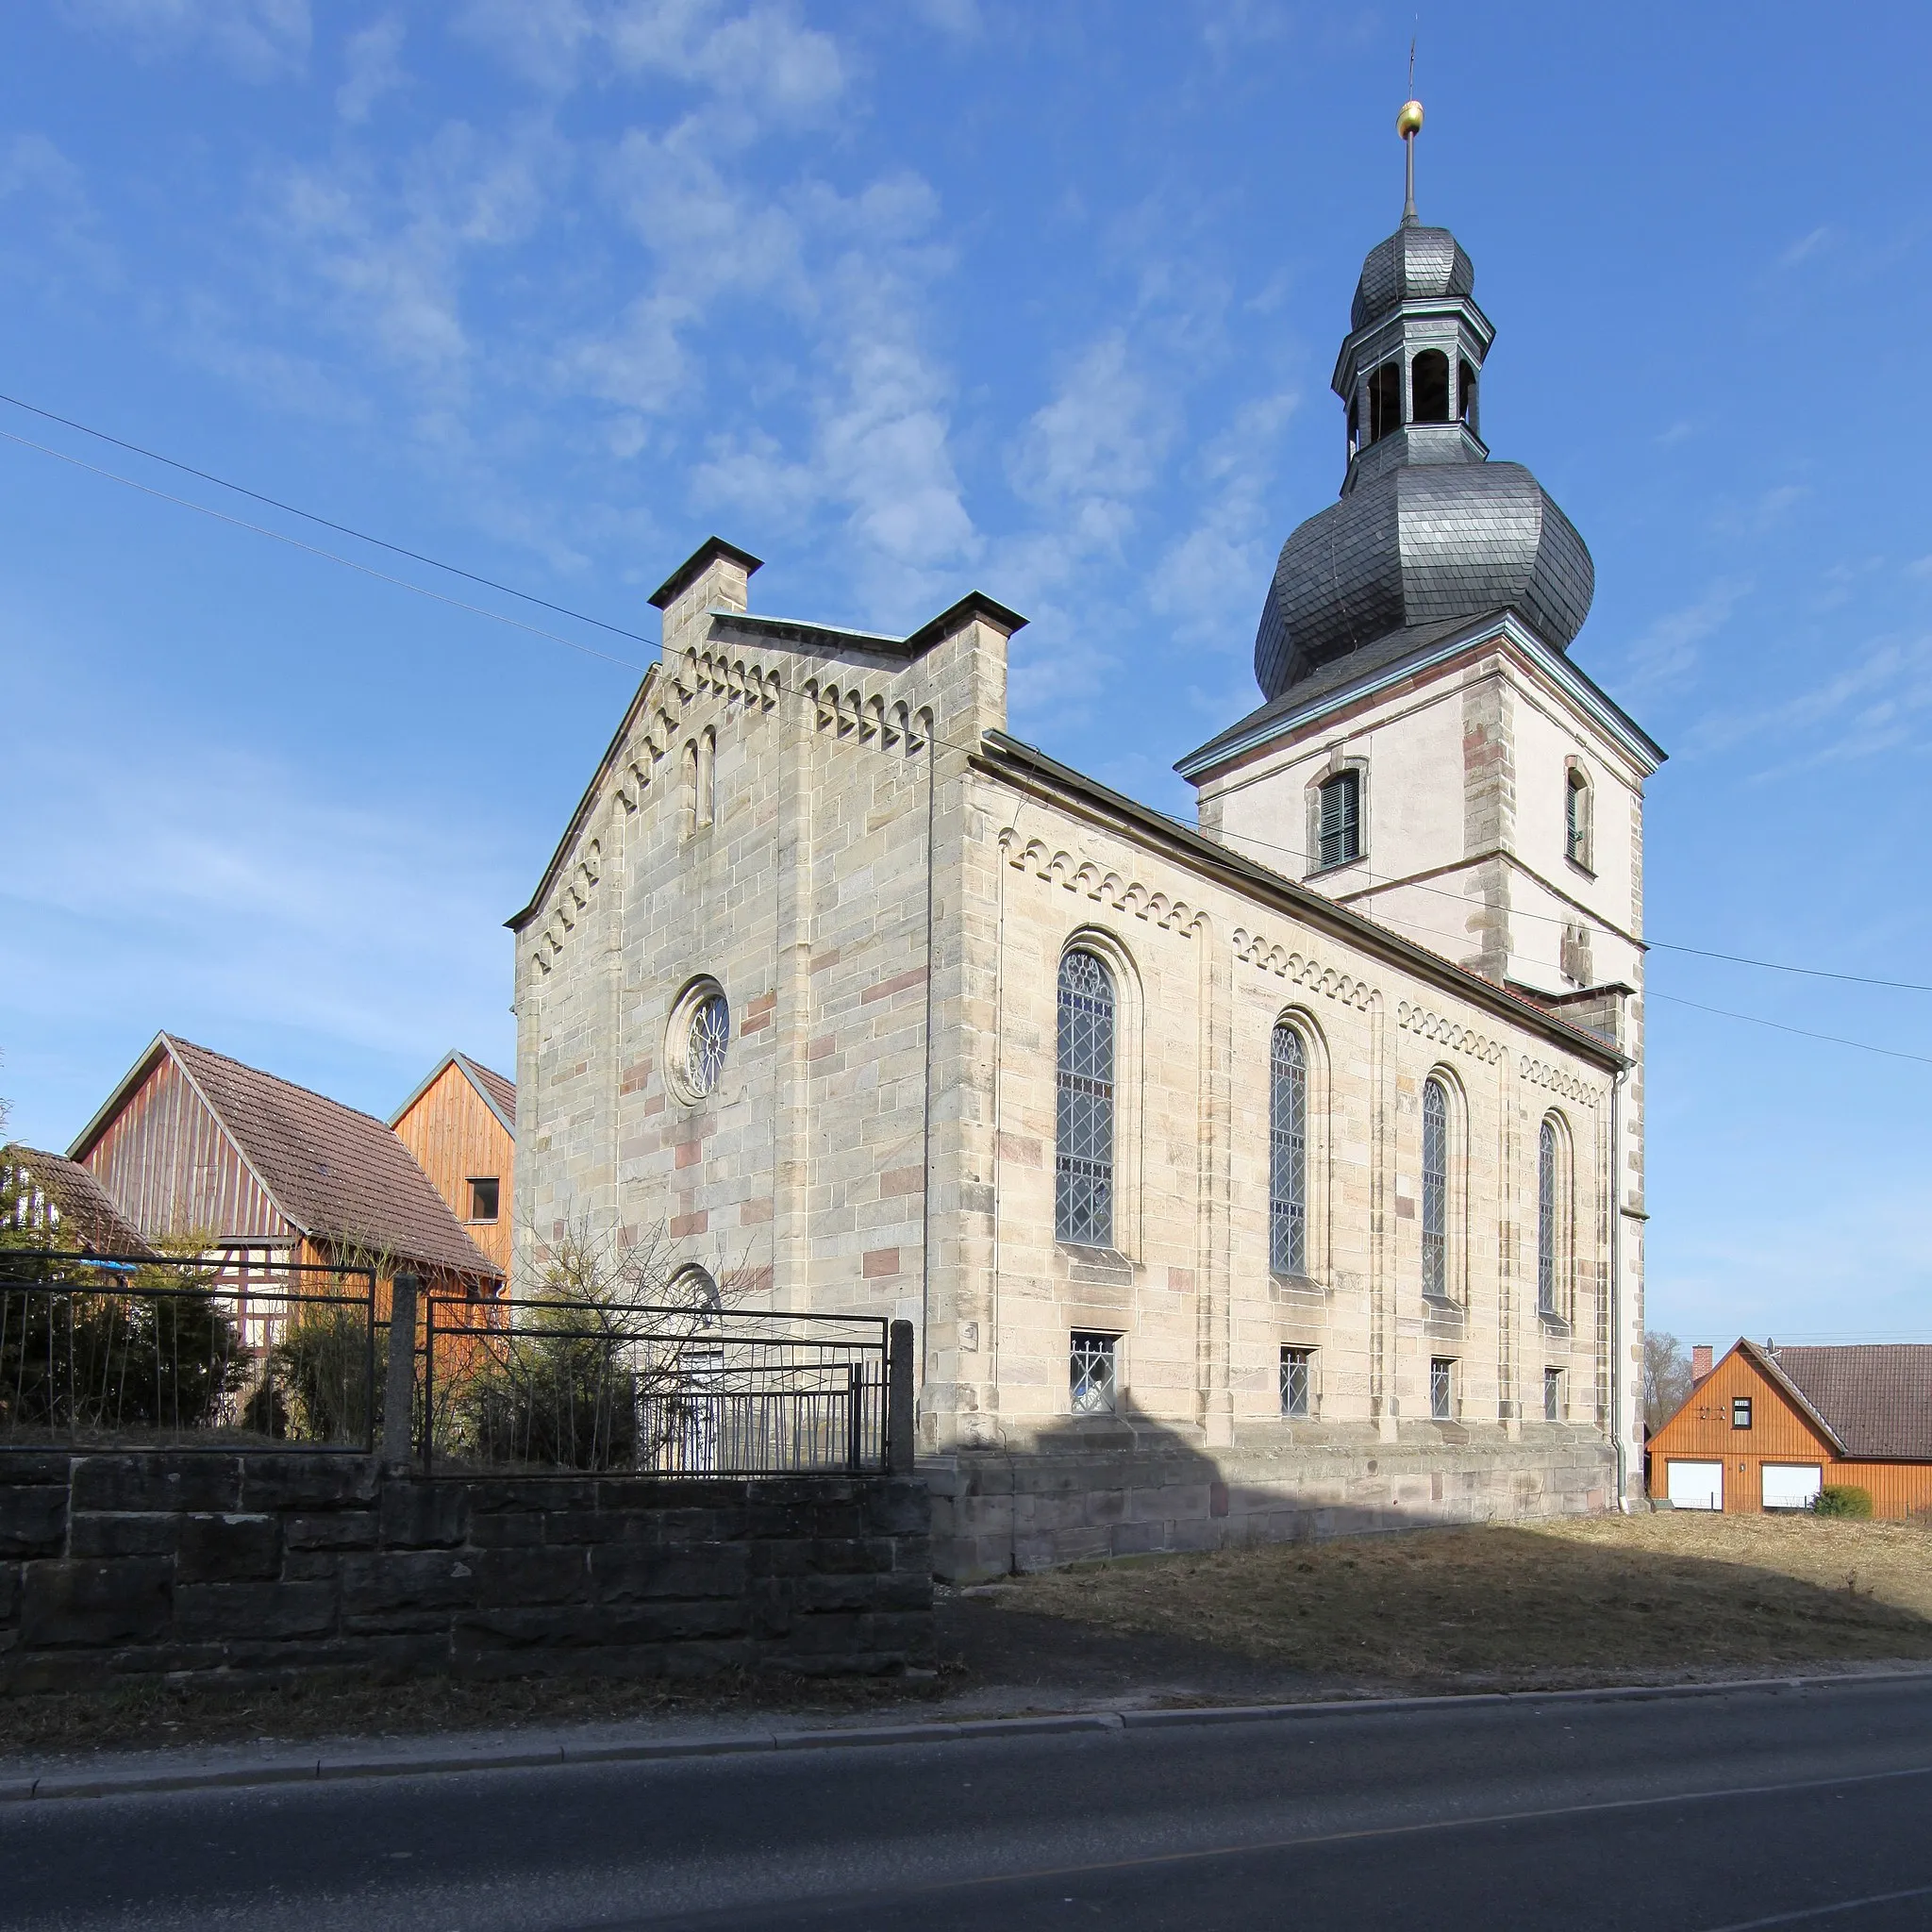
(1441,1030)
(861,711)
(1556,1079)
(1102,886)
(1301,969)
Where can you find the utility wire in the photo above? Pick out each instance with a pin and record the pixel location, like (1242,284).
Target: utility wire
(309,515)
(618,630)
(1803,1032)
(316,550)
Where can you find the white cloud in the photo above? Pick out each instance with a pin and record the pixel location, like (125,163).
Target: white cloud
(1807,246)
(1212,580)
(1090,453)
(762,57)
(256,39)
(372,61)
(1666,655)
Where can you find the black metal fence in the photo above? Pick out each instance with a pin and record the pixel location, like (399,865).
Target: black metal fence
(129,1350)
(545,1387)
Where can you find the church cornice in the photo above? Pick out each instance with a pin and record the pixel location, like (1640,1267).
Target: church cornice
(1269,725)
(1011,762)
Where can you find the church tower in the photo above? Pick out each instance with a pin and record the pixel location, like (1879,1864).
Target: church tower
(1427,751)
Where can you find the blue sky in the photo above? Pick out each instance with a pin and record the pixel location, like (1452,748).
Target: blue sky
(911,298)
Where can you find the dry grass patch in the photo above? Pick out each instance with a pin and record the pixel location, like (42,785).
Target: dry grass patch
(1591,1599)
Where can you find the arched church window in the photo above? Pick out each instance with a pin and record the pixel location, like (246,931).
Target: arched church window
(1355,425)
(1547,1155)
(1287,1163)
(1430,379)
(1384,401)
(1465,398)
(1435,1188)
(1083,1143)
(1339,819)
(1576,817)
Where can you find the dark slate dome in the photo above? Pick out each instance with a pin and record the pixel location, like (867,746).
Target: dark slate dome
(1415,264)
(1422,543)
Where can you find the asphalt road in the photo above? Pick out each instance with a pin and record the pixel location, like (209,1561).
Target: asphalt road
(1755,1809)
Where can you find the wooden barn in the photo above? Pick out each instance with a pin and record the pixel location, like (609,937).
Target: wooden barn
(192,1145)
(462,1126)
(1767,1427)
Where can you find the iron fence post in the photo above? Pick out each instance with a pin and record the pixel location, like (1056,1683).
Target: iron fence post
(398,1395)
(899,1434)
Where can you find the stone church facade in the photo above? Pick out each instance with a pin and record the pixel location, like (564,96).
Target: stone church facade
(1279,1175)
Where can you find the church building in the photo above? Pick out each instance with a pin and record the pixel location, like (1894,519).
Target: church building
(1280,1175)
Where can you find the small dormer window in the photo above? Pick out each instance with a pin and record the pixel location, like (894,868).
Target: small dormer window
(1430,380)
(1339,829)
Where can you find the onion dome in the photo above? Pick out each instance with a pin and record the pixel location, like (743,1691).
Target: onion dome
(1415,264)
(1429,531)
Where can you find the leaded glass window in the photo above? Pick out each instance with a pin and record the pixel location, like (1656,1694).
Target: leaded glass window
(705,1042)
(1092,1363)
(1288,1165)
(1083,1145)
(1339,836)
(1442,1389)
(1297,1380)
(1546,1220)
(1553,1396)
(1435,1188)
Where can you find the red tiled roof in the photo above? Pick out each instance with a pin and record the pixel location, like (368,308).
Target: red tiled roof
(335,1173)
(85,1214)
(1876,1398)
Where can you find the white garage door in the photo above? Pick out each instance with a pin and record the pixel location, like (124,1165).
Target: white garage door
(1792,1484)
(1697,1486)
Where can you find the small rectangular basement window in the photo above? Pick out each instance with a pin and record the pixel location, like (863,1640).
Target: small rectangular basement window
(1741,1411)
(1443,1389)
(1553,1396)
(484,1197)
(1297,1381)
(1092,1363)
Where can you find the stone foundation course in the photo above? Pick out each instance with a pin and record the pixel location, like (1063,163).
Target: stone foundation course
(121,1564)
(1105,1491)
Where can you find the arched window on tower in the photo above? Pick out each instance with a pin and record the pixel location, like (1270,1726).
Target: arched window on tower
(1436,1188)
(1576,817)
(1465,396)
(1083,1140)
(1384,401)
(1354,425)
(1288,1162)
(1428,378)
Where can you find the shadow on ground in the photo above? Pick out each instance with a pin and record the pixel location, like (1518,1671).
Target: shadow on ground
(1589,1601)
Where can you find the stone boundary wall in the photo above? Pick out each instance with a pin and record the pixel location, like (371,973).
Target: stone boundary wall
(1113,1495)
(268,1562)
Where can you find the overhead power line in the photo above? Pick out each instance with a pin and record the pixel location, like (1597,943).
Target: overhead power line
(316,550)
(1803,1032)
(155,456)
(623,663)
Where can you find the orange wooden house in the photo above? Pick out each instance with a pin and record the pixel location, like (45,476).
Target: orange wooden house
(462,1126)
(1767,1427)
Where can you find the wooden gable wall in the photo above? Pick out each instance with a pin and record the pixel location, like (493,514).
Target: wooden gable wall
(455,1136)
(168,1165)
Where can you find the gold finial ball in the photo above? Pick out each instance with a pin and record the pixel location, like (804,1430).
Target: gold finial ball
(1409,122)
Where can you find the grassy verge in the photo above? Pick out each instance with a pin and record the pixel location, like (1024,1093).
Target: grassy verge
(1591,1600)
